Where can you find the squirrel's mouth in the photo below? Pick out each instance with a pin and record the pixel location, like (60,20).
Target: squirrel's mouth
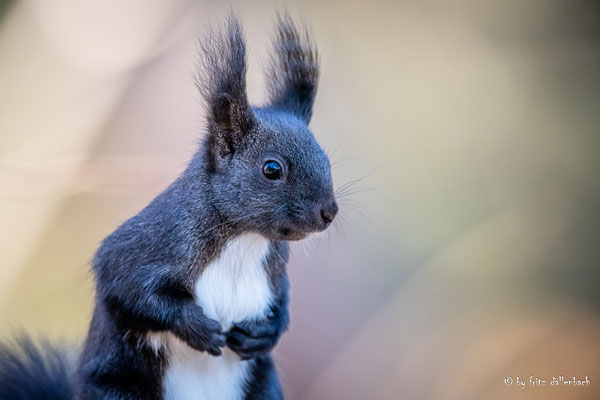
(300,225)
(295,233)
(288,233)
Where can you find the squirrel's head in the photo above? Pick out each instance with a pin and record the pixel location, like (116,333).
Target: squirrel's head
(267,173)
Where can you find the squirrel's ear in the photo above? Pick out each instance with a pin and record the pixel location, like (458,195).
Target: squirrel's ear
(222,81)
(293,75)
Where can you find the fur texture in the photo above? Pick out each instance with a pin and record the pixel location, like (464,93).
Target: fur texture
(34,371)
(234,287)
(294,69)
(192,292)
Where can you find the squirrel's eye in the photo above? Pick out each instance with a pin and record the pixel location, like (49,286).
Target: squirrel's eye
(272,170)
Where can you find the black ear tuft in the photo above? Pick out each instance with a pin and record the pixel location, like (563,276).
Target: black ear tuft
(222,81)
(294,71)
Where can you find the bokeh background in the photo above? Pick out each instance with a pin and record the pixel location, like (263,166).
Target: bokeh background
(466,250)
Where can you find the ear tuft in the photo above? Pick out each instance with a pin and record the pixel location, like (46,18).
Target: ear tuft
(294,70)
(221,80)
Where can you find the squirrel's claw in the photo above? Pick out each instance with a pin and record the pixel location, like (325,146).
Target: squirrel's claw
(250,339)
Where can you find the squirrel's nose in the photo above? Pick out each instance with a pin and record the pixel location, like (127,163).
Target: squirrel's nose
(329,212)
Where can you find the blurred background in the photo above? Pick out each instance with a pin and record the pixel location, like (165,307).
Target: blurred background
(466,251)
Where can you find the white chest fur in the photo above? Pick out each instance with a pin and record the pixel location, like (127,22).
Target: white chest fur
(232,288)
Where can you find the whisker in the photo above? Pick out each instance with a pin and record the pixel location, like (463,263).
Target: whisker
(336,162)
(354,190)
(338,225)
(354,181)
(339,146)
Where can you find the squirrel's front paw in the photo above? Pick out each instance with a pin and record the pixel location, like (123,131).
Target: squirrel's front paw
(201,333)
(250,339)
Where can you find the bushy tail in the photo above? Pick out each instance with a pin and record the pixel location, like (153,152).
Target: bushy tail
(30,371)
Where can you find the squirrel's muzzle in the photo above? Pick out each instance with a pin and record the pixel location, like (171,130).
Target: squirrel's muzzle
(329,211)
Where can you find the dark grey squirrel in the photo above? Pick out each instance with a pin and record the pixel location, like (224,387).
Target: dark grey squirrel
(192,292)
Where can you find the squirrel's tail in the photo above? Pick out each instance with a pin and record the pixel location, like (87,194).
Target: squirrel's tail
(30,371)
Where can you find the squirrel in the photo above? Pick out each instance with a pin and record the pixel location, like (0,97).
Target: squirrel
(192,292)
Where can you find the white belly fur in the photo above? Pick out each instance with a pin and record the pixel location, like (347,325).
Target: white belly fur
(232,288)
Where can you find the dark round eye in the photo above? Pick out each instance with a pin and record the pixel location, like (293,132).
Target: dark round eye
(272,170)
